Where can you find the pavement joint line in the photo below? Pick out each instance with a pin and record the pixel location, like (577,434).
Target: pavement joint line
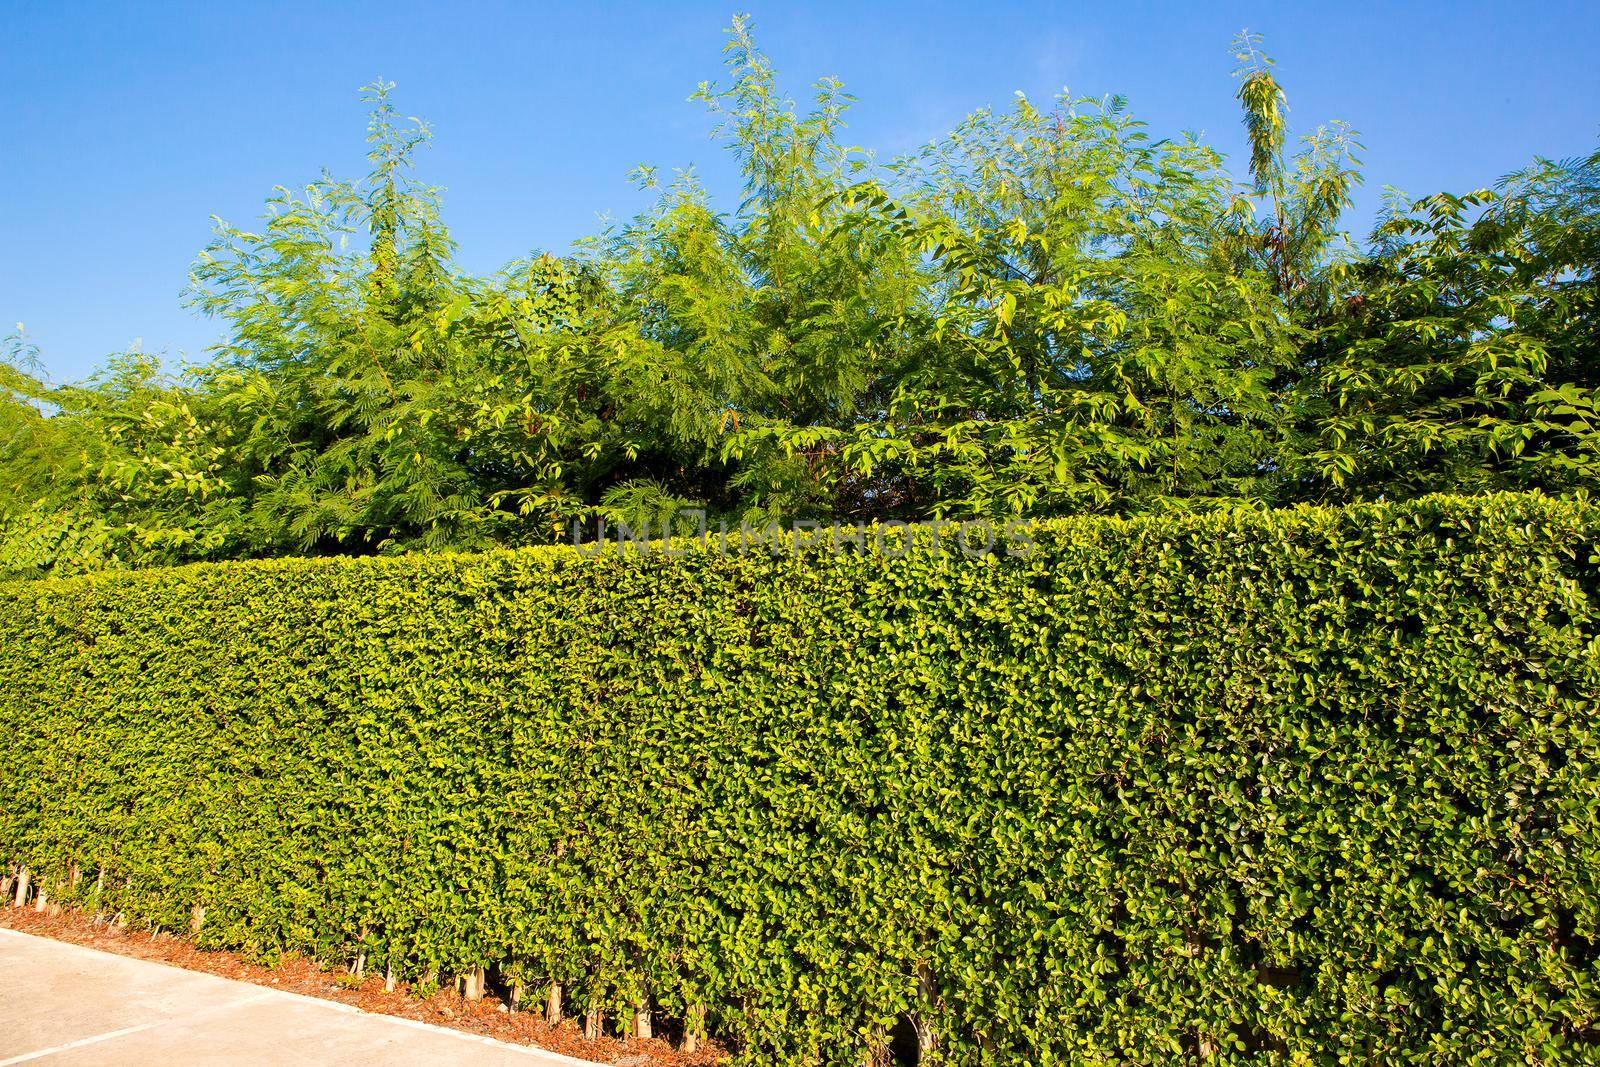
(532,1051)
(126,1031)
(70,1045)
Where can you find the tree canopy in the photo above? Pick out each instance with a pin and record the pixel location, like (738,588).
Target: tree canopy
(1048,311)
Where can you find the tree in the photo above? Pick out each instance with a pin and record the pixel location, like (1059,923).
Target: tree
(131,467)
(730,331)
(1297,241)
(1082,346)
(1462,357)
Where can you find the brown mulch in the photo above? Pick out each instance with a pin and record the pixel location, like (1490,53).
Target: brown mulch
(295,974)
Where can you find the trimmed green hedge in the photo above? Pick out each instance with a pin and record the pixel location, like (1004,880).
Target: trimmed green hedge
(1297,785)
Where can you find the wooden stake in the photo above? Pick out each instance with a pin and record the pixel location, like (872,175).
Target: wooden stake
(552,1007)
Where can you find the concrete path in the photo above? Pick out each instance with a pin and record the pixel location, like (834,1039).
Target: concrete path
(65,1004)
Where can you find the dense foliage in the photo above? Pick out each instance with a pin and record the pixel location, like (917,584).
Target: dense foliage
(1048,312)
(1304,785)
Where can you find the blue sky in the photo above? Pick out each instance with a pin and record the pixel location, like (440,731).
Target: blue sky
(124,127)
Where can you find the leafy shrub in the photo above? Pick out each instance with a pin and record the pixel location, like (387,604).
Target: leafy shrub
(1298,785)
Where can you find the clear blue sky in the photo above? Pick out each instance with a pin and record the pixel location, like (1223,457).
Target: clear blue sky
(124,127)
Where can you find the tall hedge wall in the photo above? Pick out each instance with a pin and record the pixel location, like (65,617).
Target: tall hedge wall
(1294,786)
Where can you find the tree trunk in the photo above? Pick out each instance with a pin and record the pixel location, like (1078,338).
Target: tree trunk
(472,984)
(694,1027)
(1205,1047)
(642,1027)
(22,887)
(920,1020)
(593,1023)
(877,1049)
(552,1007)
